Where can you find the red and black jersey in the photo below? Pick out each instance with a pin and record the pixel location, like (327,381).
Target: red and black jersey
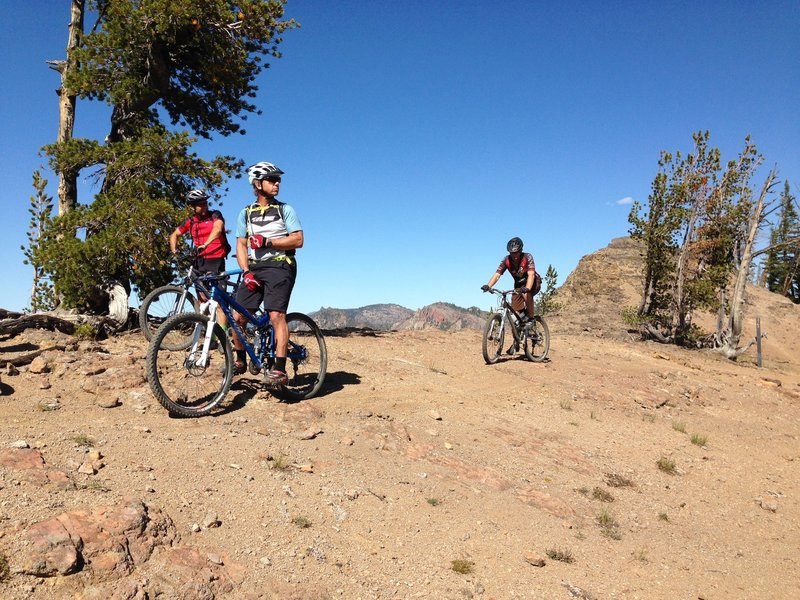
(200,229)
(519,269)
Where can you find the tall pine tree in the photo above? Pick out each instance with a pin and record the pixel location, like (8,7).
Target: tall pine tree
(781,269)
(169,70)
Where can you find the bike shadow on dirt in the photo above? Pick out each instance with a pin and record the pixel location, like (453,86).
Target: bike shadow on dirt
(245,389)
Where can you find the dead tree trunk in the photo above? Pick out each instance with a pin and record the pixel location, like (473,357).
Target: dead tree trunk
(678,299)
(787,282)
(731,336)
(68,178)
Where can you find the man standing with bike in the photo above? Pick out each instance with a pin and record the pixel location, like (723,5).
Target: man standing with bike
(207,230)
(522,268)
(267,234)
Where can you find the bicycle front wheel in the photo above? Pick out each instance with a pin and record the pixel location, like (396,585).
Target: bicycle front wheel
(184,381)
(162,303)
(493,335)
(306,360)
(537,339)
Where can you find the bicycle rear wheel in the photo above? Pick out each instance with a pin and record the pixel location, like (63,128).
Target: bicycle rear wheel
(162,303)
(493,335)
(180,380)
(537,340)
(307,358)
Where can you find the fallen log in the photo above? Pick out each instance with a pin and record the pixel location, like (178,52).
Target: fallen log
(63,322)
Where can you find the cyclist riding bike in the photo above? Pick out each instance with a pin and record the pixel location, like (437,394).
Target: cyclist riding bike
(267,234)
(207,230)
(522,268)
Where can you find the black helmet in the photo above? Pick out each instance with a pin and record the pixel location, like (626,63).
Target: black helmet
(195,196)
(514,245)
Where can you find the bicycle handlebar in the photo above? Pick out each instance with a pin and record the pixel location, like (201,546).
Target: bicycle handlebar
(502,292)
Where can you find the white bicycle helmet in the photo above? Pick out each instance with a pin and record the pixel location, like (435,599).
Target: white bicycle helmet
(262,170)
(196,196)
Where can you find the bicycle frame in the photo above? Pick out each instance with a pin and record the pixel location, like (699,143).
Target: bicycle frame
(506,308)
(222,299)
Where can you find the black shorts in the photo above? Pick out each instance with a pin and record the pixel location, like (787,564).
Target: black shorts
(209,265)
(214,266)
(277,279)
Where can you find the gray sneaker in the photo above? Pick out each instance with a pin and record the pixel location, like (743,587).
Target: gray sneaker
(275,378)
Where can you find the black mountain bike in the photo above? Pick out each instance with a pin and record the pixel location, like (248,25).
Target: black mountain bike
(190,358)
(166,301)
(531,336)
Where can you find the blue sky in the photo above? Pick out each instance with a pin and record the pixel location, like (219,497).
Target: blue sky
(418,137)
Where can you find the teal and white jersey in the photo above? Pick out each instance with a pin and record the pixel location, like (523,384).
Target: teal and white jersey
(273,221)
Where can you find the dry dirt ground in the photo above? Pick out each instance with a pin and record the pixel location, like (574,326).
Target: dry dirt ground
(617,469)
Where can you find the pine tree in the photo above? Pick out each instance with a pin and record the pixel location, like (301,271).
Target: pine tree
(41,208)
(691,233)
(169,70)
(781,266)
(547,303)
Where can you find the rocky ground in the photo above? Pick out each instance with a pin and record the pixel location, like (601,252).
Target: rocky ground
(617,469)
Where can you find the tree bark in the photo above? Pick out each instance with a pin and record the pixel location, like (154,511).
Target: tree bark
(731,347)
(68,178)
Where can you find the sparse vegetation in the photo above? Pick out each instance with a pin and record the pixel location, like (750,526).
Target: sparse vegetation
(278,463)
(666,464)
(631,318)
(565,404)
(605,519)
(85,331)
(662,516)
(678,426)
(434,501)
(94,486)
(560,555)
(649,417)
(599,493)
(580,536)
(617,481)
(641,555)
(83,440)
(302,522)
(5,569)
(609,526)
(699,440)
(583,490)
(464,567)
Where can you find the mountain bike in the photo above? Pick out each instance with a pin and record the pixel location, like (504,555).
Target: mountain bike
(533,335)
(165,301)
(190,358)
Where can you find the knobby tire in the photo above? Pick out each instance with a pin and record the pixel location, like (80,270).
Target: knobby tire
(493,339)
(306,374)
(159,305)
(179,385)
(537,342)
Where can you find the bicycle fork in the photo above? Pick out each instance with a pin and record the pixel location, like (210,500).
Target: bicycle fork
(198,356)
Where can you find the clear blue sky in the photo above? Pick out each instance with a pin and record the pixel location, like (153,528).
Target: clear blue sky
(418,137)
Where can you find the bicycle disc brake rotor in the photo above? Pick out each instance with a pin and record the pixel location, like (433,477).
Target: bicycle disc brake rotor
(192,366)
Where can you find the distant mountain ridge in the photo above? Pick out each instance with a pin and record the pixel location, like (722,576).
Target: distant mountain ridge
(381,317)
(389,317)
